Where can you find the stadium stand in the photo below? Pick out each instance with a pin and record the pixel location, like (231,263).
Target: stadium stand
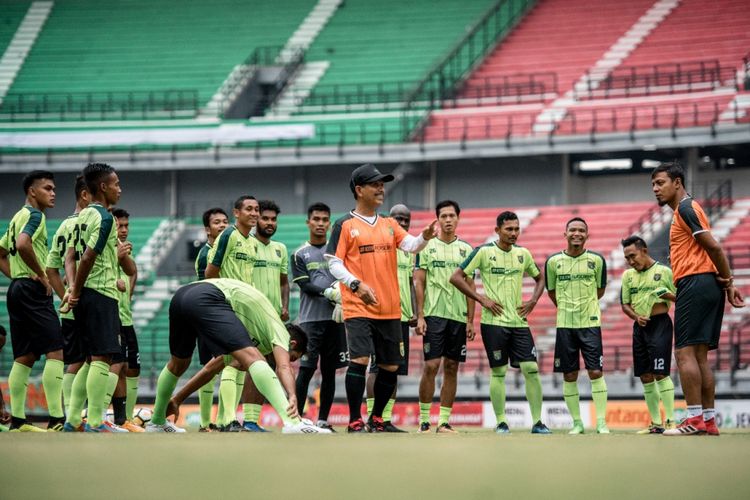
(10,18)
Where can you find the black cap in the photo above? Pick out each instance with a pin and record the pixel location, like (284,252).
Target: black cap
(366,174)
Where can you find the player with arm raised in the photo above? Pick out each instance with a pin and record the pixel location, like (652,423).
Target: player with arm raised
(505,329)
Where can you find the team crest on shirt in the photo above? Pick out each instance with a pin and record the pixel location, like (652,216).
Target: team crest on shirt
(497,354)
(591,264)
(427,348)
(520,259)
(354,233)
(462,252)
(390,230)
(657,277)
(278,253)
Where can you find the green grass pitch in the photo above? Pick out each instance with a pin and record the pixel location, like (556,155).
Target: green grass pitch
(474,464)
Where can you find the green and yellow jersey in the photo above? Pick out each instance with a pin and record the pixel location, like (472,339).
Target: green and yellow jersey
(99,233)
(271,262)
(502,276)
(64,238)
(234,254)
(201,261)
(575,281)
(405,262)
(643,289)
(439,260)
(31,221)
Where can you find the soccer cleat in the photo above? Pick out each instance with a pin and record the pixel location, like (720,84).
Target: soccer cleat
(358,426)
(26,428)
(688,427)
(114,428)
(601,427)
(502,428)
(166,427)
(131,427)
(711,428)
(233,426)
(577,427)
(376,424)
(303,427)
(103,428)
(253,427)
(652,429)
(540,428)
(389,427)
(445,429)
(205,429)
(424,428)
(327,426)
(55,424)
(669,424)
(68,427)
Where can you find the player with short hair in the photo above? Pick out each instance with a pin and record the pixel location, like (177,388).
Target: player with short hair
(703,277)
(362,255)
(406,262)
(326,338)
(233,256)
(67,239)
(445,317)
(34,326)
(646,292)
(504,326)
(94,295)
(576,279)
(215,220)
(229,317)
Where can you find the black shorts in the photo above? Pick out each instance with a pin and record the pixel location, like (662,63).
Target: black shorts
(570,341)
(34,325)
(505,343)
(375,337)
(98,318)
(325,340)
(444,338)
(199,313)
(131,352)
(652,346)
(403,368)
(121,356)
(74,350)
(698,311)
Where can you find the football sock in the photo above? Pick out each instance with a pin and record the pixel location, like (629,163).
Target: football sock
(78,395)
(227,395)
(445,415)
(252,412)
(651,394)
(694,411)
(708,414)
(572,399)
(18,380)
(52,378)
(369,402)
(599,395)
(301,386)
(268,384)
(165,386)
(206,401)
(67,389)
(96,386)
(385,382)
(131,396)
(240,380)
(111,386)
(530,372)
(666,392)
(497,391)
(327,391)
(118,407)
(424,412)
(355,387)
(388,410)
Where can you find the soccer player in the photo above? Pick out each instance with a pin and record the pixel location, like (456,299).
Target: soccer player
(94,294)
(233,257)
(576,278)
(362,254)
(67,239)
(406,262)
(215,220)
(504,326)
(647,290)
(34,326)
(702,276)
(230,317)
(445,317)
(326,339)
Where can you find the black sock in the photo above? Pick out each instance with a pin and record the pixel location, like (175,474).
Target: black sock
(304,376)
(118,406)
(355,387)
(327,391)
(385,382)
(16,422)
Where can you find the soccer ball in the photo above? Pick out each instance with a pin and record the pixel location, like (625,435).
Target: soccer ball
(142,416)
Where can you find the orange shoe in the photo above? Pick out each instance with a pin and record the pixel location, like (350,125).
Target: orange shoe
(711,428)
(131,427)
(688,427)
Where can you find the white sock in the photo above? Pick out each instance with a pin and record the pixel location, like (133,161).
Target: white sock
(694,411)
(708,414)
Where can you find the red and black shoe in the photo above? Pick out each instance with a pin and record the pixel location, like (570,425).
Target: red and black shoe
(689,427)
(376,424)
(358,426)
(711,428)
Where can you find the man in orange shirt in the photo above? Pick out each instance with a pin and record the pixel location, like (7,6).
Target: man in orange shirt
(702,276)
(362,255)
